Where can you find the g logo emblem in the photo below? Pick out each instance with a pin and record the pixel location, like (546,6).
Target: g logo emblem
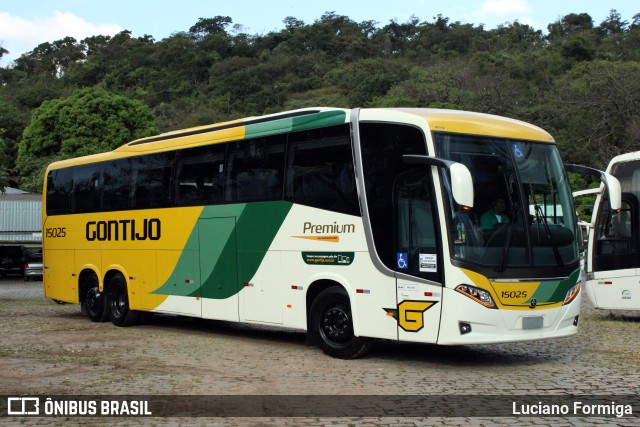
(533,303)
(409,314)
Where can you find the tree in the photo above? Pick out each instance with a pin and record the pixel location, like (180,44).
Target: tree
(613,25)
(578,47)
(596,111)
(445,84)
(573,37)
(514,37)
(292,24)
(396,36)
(611,35)
(51,58)
(88,122)
(210,26)
(4,169)
(364,80)
(12,123)
(570,24)
(631,41)
(336,35)
(442,37)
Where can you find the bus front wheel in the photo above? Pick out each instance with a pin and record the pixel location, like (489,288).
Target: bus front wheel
(118,302)
(331,325)
(94,300)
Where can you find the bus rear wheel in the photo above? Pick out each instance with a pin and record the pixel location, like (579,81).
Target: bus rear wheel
(331,325)
(118,302)
(94,300)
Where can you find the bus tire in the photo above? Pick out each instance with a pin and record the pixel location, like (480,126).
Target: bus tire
(331,325)
(94,301)
(118,302)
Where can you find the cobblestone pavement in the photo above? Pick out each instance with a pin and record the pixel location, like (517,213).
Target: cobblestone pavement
(50,349)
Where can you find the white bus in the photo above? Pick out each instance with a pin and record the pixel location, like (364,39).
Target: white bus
(613,255)
(351,225)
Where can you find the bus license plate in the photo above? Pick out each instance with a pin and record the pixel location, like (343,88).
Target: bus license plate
(532,322)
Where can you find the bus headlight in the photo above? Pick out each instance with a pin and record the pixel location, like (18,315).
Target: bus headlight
(572,294)
(477,294)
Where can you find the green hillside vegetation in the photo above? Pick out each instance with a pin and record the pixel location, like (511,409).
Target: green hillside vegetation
(580,81)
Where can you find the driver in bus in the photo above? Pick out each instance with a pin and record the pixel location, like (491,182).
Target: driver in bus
(495,215)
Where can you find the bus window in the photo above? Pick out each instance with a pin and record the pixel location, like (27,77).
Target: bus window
(85,196)
(116,178)
(255,169)
(383,146)
(415,226)
(615,246)
(200,176)
(151,181)
(522,174)
(59,183)
(320,170)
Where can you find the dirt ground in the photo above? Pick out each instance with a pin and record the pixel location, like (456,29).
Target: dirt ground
(50,349)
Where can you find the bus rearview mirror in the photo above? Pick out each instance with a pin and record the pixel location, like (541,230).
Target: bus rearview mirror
(611,183)
(461,182)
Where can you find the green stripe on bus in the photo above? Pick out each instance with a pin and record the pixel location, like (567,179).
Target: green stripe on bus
(555,290)
(221,234)
(564,286)
(294,124)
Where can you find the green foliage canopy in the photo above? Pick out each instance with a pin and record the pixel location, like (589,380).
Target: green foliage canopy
(4,169)
(580,81)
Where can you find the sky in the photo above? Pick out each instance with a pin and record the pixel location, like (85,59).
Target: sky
(24,24)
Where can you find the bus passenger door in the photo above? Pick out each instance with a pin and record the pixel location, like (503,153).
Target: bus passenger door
(218,268)
(418,257)
(613,281)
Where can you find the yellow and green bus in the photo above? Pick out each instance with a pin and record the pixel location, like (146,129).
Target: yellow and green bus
(351,225)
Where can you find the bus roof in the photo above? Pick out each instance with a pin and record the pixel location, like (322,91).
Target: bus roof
(479,124)
(437,120)
(248,127)
(622,158)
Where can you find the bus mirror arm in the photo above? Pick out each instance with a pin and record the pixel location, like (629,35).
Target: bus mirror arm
(611,183)
(461,182)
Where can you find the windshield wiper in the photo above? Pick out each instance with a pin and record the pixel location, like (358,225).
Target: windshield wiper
(540,218)
(507,241)
(513,209)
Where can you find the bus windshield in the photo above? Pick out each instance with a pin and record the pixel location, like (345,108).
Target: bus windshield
(523,213)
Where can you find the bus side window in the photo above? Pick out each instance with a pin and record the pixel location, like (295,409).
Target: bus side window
(116,180)
(59,184)
(152,181)
(255,169)
(615,246)
(320,171)
(415,224)
(85,196)
(382,148)
(200,175)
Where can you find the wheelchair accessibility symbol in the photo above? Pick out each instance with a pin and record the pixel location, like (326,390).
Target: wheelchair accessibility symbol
(402,260)
(518,151)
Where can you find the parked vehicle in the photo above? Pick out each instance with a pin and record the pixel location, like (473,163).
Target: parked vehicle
(613,261)
(350,225)
(11,259)
(32,266)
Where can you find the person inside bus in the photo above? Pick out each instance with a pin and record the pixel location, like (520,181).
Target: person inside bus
(495,215)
